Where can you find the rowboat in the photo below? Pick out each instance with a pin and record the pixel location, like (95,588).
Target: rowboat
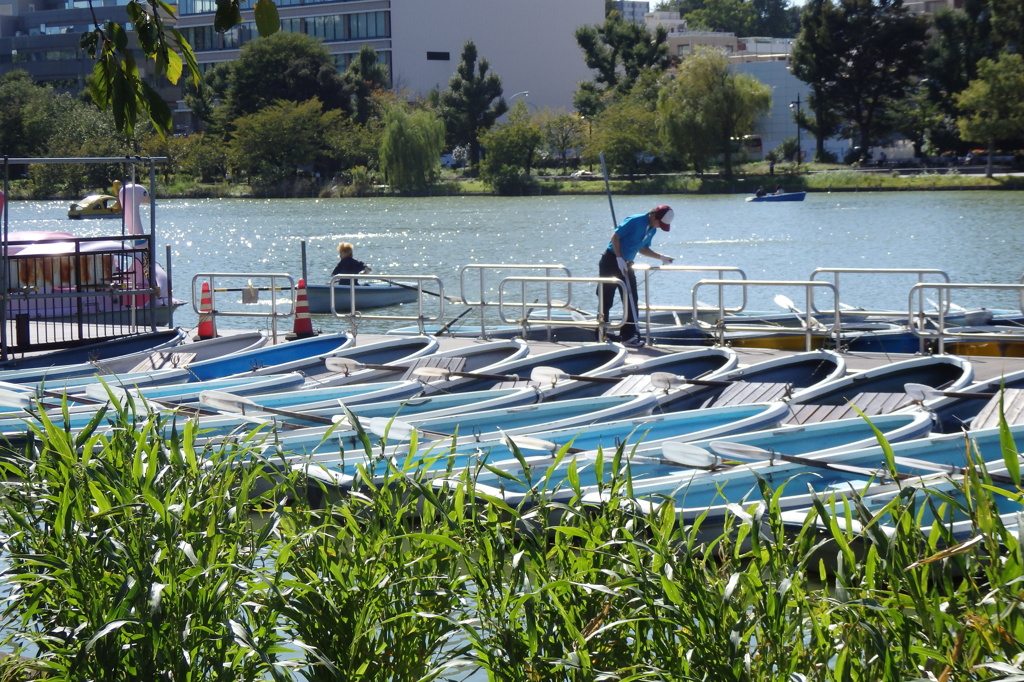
(478,356)
(656,469)
(366,296)
(442,457)
(636,377)
(184,394)
(467,429)
(587,360)
(879,390)
(861,474)
(285,357)
(163,357)
(785,196)
(357,364)
(773,379)
(977,406)
(92,352)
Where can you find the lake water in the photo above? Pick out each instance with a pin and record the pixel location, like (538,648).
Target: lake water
(973,236)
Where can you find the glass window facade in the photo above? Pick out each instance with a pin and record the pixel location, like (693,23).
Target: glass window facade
(359,26)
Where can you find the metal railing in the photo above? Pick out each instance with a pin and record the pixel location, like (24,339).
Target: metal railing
(693,311)
(943,334)
(920,273)
(275,282)
(577,317)
(553,274)
(809,288)
(416,282)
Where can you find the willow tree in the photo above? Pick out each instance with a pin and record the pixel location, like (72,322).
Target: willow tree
(410,148)
(706,105)
(994,103)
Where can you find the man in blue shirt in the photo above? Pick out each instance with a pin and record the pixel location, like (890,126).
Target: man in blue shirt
(633,236)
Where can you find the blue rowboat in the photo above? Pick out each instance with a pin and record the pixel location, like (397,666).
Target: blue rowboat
(184,394)
(859,473)
(879,390)
(472,427)
(976,406)
(440,455)
(774,379)
(784,197)
(151,360)
(475,357)
(701,363)
(283,357)
(358,360)
(588,360)
(366,296)
(91,352)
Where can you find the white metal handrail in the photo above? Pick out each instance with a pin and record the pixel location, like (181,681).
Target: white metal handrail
(943,290)
(436,289)
(523,318)
(276,281)
(921,274)
(808,286)
(552,272)
(696,309)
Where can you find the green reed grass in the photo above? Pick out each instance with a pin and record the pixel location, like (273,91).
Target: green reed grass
(134,553)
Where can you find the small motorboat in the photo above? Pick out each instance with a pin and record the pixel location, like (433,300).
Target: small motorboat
(785,196)
(96,206)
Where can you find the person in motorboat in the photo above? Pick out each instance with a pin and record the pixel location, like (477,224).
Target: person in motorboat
(760,192)
(348,265)
(632,236)
(779,190)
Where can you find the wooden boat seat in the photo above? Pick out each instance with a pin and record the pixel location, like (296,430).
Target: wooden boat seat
(742,392)
(870,403)
(1013,407)
(451,363)
(157,361)
(631,384)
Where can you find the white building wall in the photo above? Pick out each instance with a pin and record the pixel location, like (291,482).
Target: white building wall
(778,124)
(529,44)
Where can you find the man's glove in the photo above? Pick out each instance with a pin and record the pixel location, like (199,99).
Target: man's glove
(622,264)
(667,260)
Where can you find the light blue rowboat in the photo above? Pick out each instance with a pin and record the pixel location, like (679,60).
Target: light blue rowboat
(468,428)
(358,359)
(184,394)
(860,473)
(441,456)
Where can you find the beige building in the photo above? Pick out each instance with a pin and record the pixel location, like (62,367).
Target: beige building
(682,41)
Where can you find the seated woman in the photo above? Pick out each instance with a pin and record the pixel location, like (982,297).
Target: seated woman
(347,265)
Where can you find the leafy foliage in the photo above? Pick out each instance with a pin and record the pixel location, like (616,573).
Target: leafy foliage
(411,147)
(994,103)
(706,105)
(472,103)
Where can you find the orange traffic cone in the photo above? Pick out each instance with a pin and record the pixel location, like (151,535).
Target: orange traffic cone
(207,327)
(303,327)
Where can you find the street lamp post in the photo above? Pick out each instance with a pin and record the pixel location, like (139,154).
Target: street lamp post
(524,93)
(795,105)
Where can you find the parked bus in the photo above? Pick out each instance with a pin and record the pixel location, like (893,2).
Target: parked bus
(747,148)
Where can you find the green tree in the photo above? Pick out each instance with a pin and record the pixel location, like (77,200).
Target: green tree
(816,61)
(511,147)
(626,133)
(774,19)
(619,51)
(707,105)
(960,38)
(735,16)
(472,103)
(27,115)
(291,67)
(364,77)
(204,158)
(410,148)
(274,143)
(563,133)
(993,104)
(876,48)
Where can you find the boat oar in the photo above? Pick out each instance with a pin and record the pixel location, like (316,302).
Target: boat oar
(552,375)
(451,299)
(347,365)
(229,402)
(752,453)
(455,319)
(667,380)
(787,303)
(530,443)
(442,373)
(690,456)
(924,392)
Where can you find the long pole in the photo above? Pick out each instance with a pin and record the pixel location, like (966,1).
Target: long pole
(628,303)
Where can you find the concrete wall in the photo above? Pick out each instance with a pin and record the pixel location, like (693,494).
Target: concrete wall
(528,43)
